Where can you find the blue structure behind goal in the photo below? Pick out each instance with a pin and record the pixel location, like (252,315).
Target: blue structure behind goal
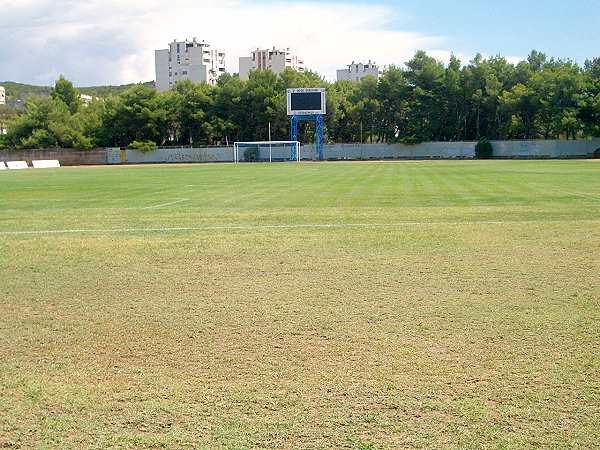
(307,105)
(319,121)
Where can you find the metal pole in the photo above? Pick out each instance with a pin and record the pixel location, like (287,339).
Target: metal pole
(361,136)
(270,145)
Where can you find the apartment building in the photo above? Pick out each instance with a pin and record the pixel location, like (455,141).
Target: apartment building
(191,60)
(357,71)
(276,60)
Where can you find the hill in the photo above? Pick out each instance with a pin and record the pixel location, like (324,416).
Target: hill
(15,90)
(107,91)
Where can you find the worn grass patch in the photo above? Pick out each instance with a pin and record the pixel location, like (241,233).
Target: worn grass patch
(220,306)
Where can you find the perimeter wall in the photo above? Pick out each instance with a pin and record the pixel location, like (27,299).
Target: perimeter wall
(67,157)
(427,150)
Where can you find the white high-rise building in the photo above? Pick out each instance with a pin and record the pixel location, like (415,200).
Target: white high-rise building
(277,60)
(188,60)
(357,71)
(2,96)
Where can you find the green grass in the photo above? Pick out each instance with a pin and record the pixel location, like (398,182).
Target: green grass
(351,305)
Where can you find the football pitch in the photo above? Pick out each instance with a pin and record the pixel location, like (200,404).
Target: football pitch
(322,305)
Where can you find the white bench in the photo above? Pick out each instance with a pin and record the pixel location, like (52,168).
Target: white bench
(2,165)
(46,164)
(17,165)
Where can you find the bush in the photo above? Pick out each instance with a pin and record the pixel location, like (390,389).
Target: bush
(251,154)
(143,146)
(39,139)
(410,140)
(82,142)
(484,149)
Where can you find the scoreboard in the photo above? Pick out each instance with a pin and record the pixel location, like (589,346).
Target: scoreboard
(306,101)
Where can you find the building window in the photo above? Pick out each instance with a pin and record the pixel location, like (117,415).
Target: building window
(184,72)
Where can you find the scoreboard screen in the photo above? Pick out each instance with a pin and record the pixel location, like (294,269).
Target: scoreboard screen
(306,101)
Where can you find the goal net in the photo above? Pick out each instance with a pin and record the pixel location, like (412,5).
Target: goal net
(266,151)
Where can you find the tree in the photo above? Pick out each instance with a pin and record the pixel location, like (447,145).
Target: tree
(135,115)
(65,92)
(589,105)
(521,105)
(454,105)
(262,104)
(423,100)
(341,126)
(194,109)
(47,123)
(392,94)
(560,88)
(228,105)
(425,77)
(366,111)
(7,115)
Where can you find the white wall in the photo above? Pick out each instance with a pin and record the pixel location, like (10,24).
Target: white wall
(278,63)
(246,65)
(161,61)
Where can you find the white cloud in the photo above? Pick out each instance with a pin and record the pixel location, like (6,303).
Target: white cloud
(113,41)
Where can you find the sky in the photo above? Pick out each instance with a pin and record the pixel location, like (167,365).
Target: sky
(97,42)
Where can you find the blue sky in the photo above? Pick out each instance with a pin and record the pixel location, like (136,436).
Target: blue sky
(113,41)
(510,27)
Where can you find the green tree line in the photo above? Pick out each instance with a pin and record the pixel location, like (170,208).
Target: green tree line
(424,100)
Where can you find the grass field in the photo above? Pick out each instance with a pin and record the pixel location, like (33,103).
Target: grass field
(336,305)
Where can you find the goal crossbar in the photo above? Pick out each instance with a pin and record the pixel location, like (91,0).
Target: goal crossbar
(294,148)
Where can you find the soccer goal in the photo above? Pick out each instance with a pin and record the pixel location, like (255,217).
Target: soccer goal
(266,151)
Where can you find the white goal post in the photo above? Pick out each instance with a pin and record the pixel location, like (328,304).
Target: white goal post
(268,151)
